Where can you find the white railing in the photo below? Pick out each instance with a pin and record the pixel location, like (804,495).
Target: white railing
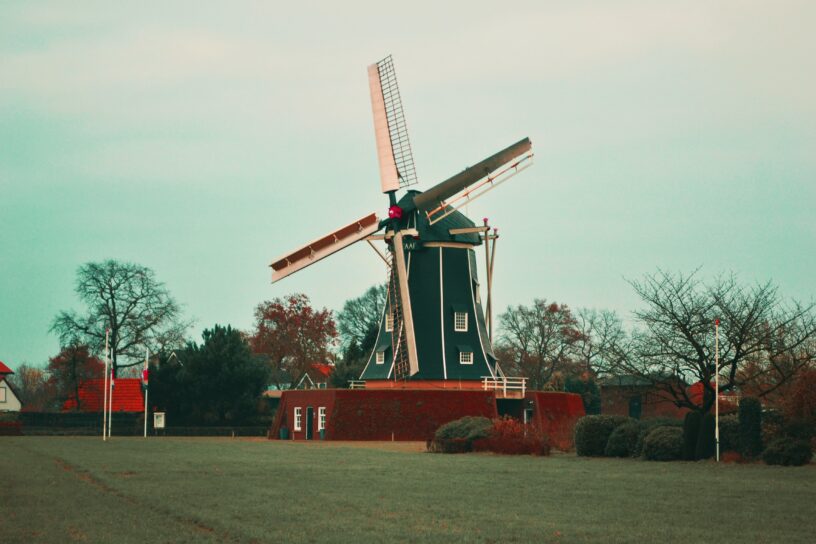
(505,384)
(357,384)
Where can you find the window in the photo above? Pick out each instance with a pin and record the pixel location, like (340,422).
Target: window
(321,418)
(380,357)
(460,321)
(389,322)
(297,418)
(3,393)
(466,357)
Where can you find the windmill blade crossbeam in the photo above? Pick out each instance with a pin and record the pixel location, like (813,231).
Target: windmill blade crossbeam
(466,197)
(436,195)
(324,246)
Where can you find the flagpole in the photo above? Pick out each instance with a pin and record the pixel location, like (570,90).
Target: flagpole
(105,390)
(717,386)
(144,378)
(110,400)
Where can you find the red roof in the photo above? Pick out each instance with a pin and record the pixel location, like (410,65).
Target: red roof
(323,369)
(4,369)
(127,396)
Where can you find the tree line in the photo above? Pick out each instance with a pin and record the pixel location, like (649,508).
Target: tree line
(765,343)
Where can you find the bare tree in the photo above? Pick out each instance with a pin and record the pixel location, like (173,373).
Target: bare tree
(127,300)
(603,341)
(760,335)
(538,341)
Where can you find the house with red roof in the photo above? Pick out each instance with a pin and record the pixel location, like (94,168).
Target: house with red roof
(128,396)
(316,377)
(9,400)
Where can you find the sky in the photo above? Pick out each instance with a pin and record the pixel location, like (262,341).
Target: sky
(203,140)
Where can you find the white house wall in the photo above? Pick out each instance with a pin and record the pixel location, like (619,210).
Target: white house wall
(12,403)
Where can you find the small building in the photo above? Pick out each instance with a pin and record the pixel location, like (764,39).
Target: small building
(9,399)
(637,397)
(128,396)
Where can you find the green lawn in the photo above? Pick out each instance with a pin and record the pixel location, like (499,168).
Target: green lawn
(65,489)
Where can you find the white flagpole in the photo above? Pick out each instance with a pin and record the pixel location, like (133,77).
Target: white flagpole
(110,405)
(145,378)
(717,386)
(105,391)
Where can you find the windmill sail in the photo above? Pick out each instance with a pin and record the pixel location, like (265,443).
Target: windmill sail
(436,195)
(393,147)
(323,247)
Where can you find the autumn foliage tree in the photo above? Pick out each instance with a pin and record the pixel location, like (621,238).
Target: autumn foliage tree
(37,392)
(539,342)
(291,335)
(70,367)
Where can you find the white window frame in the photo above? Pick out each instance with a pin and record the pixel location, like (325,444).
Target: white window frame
(456,322)
(465,357)
(321,418)
(389,321)
(3,394)
(379,358)
(298,418)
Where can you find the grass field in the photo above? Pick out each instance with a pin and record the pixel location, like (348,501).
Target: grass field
(64,489)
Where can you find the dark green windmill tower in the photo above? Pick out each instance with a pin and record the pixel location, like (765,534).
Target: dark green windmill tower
(433,328)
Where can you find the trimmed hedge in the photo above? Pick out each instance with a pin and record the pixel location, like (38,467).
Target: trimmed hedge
(623,440)
(691,433)
(729,433)
(457,436)
(750,422)
(788,452)
(706,445)
(646,426)
(664,444)
(592,433)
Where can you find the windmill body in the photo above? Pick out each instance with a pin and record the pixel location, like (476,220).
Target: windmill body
(433,327)
(449,326)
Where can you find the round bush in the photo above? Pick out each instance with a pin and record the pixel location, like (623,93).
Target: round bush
(729,433)
(592,433)
(646,426)
(788,452)
(664,444)
(457,436)
(623,439)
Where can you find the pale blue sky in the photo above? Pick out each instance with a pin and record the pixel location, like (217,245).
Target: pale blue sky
(203,140)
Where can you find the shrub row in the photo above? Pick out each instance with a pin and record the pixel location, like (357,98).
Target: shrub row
(592,433)
(502,435)
(618,436)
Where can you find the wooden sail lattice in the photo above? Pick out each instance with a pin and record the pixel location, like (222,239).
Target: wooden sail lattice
(397,129)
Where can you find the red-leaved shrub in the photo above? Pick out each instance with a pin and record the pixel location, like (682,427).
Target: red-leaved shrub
(510,436)
(731,457)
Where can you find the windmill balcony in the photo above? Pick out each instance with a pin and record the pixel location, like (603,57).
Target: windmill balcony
(505,386)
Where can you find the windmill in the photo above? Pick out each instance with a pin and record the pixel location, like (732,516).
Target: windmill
(433,327)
